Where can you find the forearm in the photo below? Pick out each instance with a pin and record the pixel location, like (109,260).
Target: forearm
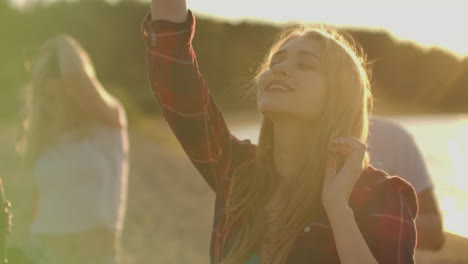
(350,244)
(171,10)
(430,231)
(185,100)
(429,222)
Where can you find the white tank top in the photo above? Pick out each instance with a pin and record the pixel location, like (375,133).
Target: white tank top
(82,184)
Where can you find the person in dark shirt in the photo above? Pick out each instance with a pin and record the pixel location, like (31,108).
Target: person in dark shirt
(394,150)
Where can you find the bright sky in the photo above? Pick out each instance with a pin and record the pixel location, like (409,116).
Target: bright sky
(429,22)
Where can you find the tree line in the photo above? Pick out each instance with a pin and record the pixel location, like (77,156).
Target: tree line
(228,53)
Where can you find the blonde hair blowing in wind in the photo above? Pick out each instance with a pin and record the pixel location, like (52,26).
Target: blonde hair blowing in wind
(345,113)
(53,56)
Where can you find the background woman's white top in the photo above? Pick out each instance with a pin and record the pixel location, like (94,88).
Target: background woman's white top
(83,183)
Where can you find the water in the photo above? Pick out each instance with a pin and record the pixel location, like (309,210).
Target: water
(443,140)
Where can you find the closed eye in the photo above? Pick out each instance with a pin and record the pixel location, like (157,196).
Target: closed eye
(273,63)
(303,66)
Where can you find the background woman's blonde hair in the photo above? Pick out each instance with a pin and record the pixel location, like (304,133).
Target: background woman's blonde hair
(345,113)
(37,133)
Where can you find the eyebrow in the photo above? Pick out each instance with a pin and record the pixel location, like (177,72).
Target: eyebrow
(307,53)
(299,53)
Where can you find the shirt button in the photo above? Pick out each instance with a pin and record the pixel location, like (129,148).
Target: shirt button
(307,229)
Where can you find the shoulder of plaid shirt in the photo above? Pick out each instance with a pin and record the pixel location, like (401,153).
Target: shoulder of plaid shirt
(385,206)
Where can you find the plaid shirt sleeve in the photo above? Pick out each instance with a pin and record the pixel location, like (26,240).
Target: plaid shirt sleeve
(185,100)
(388,224)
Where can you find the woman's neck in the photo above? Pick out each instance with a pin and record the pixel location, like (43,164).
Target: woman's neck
(291,143)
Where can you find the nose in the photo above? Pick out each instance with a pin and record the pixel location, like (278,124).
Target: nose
(280,69)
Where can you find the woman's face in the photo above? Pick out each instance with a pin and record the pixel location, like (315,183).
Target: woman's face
(293,85)
(54,102)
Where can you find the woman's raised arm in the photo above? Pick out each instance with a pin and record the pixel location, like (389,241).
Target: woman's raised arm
(182,93)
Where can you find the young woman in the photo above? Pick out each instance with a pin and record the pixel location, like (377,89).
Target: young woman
(77,152)
(305,194)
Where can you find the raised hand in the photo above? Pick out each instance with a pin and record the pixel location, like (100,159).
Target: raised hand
(172,10)
(338,185)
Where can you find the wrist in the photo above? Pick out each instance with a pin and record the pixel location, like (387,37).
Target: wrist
(339,212)
(335,203)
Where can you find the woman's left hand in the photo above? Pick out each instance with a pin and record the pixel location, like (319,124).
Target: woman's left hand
(337,186)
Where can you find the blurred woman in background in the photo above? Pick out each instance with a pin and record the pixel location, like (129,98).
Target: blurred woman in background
(76,148)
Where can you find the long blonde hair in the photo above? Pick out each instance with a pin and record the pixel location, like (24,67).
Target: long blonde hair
(345,113)
(37,133)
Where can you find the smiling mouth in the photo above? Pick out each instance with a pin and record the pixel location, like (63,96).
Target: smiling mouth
(278,86)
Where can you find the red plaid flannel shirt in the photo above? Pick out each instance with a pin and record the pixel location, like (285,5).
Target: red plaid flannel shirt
(385,207)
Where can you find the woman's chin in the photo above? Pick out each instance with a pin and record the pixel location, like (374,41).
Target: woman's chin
(273,112)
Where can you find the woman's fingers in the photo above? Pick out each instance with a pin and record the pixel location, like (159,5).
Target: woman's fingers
(353,150)
(349,141)
(355,145)
(339,185)
(341,150)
